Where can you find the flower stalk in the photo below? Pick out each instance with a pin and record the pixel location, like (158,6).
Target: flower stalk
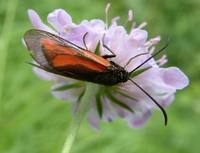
(85,101)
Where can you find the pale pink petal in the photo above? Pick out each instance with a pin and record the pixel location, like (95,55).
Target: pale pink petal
(152,81)
(93,119)
(139,118)
(121,112)
(92,41)
(97,25)
(117,44)
(66,95)
(45,75)
(95,29)
(162,80)
(167,100)
(75,34)
(70,95)
(59,19)
(117,32)
(36,21)
(109,113)
(139,35)
(174,77)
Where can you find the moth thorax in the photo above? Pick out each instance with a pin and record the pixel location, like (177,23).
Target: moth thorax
(122,75)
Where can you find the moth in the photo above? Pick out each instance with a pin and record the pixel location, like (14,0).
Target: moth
(62,57)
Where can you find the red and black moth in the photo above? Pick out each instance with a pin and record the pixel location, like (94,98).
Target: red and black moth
(59,56)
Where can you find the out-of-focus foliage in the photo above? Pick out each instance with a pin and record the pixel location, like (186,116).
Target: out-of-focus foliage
(33,121)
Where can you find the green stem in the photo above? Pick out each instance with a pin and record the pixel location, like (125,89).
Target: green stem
(90,91)
(5,38)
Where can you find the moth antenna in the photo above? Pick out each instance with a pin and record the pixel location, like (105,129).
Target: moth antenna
(106,47)
(84,40)
(159,106)
(148,59)
(132,58)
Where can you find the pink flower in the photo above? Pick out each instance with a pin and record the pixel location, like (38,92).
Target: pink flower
(118,100)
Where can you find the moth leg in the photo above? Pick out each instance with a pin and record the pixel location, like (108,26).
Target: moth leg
(106,47)
(84,42)
(108,56)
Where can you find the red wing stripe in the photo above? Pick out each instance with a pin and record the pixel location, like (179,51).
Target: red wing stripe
(51,47)
(66,61)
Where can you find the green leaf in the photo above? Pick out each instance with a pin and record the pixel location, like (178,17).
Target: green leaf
(68,86)
(99,104)
(125,95)
(81,95)
(116,101)
(136,73)
(97,50)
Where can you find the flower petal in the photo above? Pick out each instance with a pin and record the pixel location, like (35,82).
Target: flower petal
(95,29)
(45,75)
(67,95)
(109,113)
(75,34)
(93,119)
(174,77)
(114,39)
(166,100)
(98,25)
(59,19)
(139,35)
(160,81)
(36,21)
(139,118)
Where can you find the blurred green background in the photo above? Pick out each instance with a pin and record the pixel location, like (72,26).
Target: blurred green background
(33,121)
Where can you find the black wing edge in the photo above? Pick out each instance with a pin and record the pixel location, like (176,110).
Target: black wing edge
(47,34)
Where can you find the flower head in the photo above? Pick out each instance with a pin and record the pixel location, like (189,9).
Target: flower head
(124,100)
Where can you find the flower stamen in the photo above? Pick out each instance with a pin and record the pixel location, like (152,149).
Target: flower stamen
(129,24)
(130,15)
(106,14)
(115,20)
(163,60)
(142,25)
